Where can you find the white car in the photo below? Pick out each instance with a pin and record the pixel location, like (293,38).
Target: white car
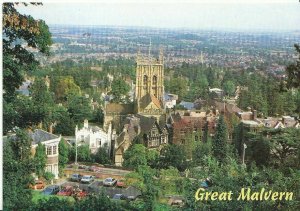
(109,182)
(87,179)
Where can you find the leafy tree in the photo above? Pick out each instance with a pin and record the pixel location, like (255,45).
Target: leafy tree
(135,156)
(17,59)
(178,86)
(219,144)
(63,154)
(293,71)
(18,166)
(83,153)
(102,156)
(119,90)
(202,150)
(79,108)
(63,123)
(173,155)
(40,159)
(52,203)
(229,88)
(66,87)
(152,157)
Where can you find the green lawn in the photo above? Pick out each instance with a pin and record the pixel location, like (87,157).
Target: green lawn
(36,195)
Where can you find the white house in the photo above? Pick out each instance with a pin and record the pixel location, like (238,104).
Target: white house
(170,100)
(93,136)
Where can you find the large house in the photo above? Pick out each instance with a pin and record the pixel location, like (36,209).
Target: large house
(93,136)
(51,142)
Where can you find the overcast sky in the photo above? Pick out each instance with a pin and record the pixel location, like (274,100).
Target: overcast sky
(239,16)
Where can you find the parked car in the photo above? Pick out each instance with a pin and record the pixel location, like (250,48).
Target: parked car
(67,191)
(87,179)
(121,183)
(133,197)
(76,177)
(39,184)
(94,169)
(51,190)
(109,182)
(119,197)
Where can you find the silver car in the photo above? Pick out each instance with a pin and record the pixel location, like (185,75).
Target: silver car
(109,182)
(87,179)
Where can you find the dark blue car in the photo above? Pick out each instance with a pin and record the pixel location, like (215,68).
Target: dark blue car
(51,190)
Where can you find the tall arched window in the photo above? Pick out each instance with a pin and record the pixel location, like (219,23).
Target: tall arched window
(145,80)
(154,81)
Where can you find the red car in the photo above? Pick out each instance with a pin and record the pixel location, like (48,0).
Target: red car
(121,183)
(67,191)
(37,185)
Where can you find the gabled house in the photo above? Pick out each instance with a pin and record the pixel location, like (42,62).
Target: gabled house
(51,142)
(93,136)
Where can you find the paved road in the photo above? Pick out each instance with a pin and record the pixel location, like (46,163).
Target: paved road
(108,171)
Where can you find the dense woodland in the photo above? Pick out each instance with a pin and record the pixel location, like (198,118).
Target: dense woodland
(272,159)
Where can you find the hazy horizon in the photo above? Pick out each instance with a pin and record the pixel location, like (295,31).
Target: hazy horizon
(192,16)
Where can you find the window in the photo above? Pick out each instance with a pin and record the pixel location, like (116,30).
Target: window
(54,150)
(49,150)
(145,80)
(182,141)
(196,138)
(154,81)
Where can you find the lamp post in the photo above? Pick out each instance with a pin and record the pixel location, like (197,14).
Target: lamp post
(75,151)
(244,150)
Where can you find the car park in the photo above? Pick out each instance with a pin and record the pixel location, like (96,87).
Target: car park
(51,190)
(109,182)
(87,179)
(66,191)
(39,184)
(76,177)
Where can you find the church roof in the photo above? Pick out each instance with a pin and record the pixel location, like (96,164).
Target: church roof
(119,108)
(147,99)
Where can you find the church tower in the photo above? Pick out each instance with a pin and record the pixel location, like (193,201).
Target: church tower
(149,88)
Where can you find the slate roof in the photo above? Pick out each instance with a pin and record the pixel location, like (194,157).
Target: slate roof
(41,136)
(187,105)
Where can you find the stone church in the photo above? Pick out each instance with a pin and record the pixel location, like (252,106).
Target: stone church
(145,119)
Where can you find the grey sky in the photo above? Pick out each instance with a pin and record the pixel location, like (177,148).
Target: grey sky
(246,16)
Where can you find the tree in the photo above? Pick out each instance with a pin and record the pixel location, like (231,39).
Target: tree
(293,71)
(40,159)
(173,155)
(63,154)
(79,108)
(63,123)
(18,166)
(202,150)
(178,86)
(66,87)
(102,156)
(119,90)
(219,144)
(229,88)
(135,156)
(17,59)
